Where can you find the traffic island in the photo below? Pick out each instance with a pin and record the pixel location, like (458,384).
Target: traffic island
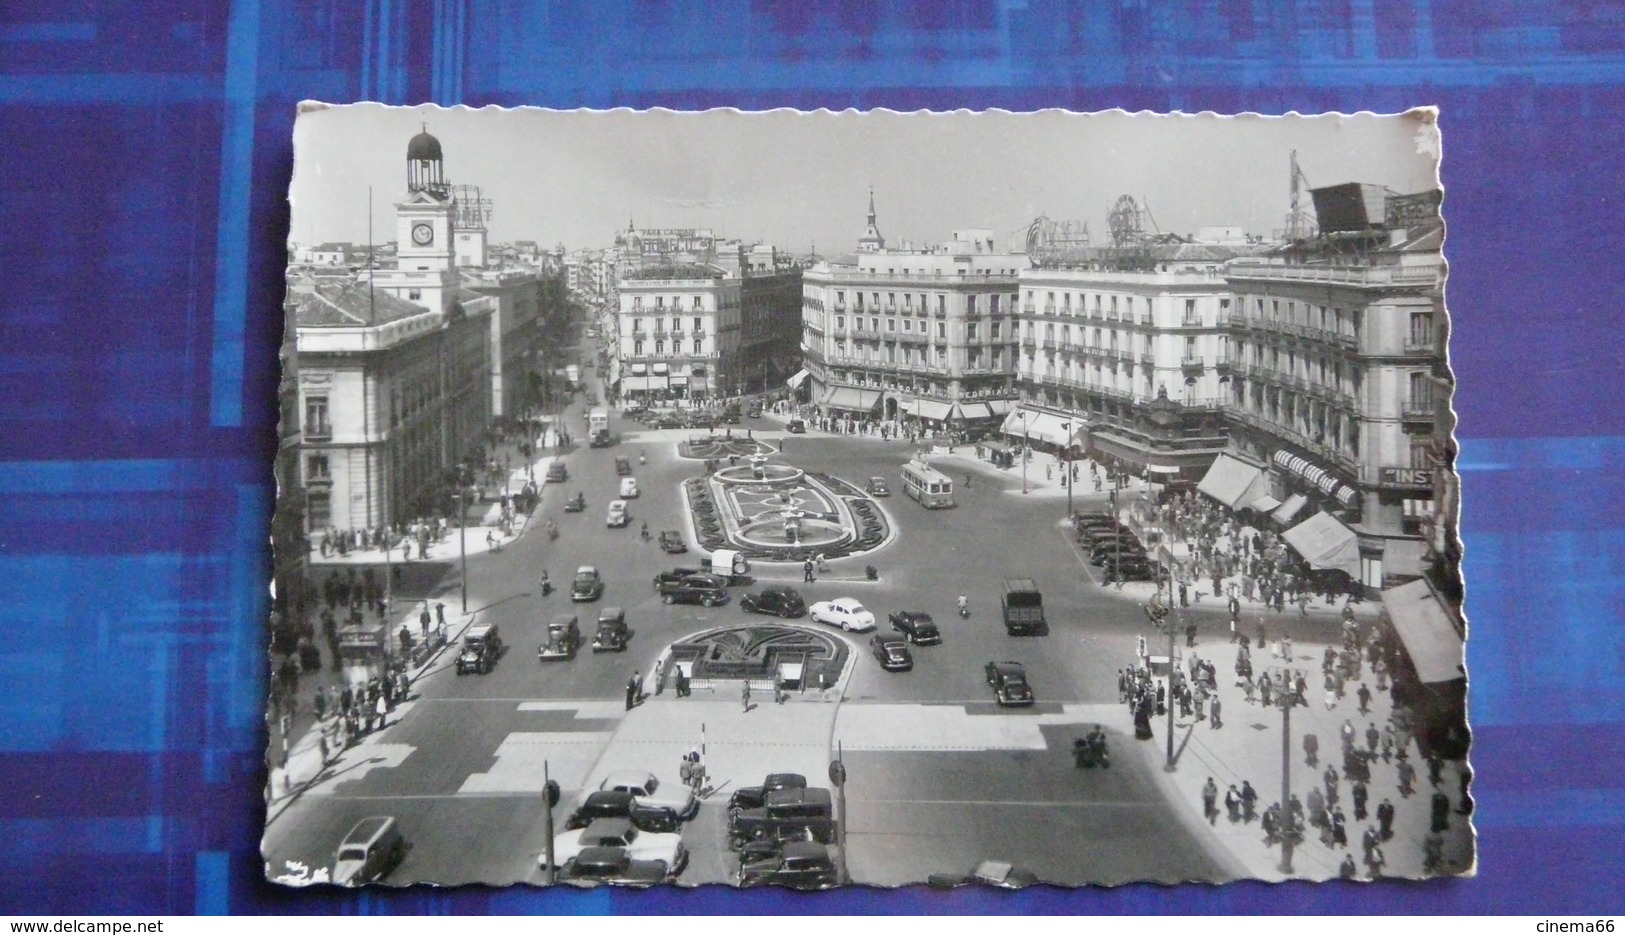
(776,512)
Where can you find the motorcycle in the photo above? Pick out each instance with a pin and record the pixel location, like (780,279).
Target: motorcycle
(576,504)
(552,530)
(642,459)
(964,609)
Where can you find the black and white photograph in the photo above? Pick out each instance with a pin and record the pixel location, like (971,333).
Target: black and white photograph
(824,499)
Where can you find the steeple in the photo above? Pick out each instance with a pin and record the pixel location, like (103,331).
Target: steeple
(871,241)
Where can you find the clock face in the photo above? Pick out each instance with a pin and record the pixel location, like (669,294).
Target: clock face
(422,234)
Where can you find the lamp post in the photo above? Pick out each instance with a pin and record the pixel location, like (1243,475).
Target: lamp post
(462,534)
(1066,466)
(1286,698)
(1026,443)
(1173,667)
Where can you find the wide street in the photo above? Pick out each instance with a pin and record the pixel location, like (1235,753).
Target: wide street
(939,778)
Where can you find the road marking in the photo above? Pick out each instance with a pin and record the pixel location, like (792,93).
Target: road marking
(880,727)
(1035,803)
(585,710)
(519,758)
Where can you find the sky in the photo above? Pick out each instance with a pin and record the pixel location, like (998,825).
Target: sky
(802,180)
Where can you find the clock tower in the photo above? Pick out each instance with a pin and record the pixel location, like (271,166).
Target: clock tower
(423,220)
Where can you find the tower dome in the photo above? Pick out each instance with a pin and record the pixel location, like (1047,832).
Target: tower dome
(424,146)
(424,169)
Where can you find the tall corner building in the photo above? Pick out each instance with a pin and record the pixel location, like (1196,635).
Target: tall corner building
(902,333)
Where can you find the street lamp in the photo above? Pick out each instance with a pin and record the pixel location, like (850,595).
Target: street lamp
(1286,698)
(1066,466)
(462,534)
(1026,444)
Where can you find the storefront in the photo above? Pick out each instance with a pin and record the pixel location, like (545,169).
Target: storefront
(1318,479)
(1326,544)
(1046,430)
(849,399)
(1234,483)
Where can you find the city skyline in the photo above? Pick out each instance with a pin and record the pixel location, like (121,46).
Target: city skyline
(802,180)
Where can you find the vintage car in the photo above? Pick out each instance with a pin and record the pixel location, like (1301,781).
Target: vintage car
(667,578)
(556,473)
(672,542)
(755,410)
(877,487)
(705,590)
(916,626)
(796,427)
(775,601)
(576,504)
(1009,683)
(619,832)
(482,646)
(676,799)
(756,796)
(369,851)
(995,873)
(587,584)
(617,804)
(801,865)
(843,612)
(617,516)
(629,488)
(563,638)
(784,815)
(614,865)
(612,634)
(892,653)
(623,467)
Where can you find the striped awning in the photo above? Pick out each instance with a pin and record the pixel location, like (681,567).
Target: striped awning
(932,409)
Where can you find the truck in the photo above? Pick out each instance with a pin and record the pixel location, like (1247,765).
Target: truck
(572,377)
(728,564)
(1023,608)
(598,428)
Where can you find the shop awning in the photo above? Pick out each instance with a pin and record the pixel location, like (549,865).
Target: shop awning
(1290,509)
(1163,468)
(634,384)
(850,397)
(975,411)
(660,369)
(1233,482)
(1264,504)
(796,380)
(1431,635)
(1000,407)
(640,369)
(1326,543)
(1042,426)
(931,409)
(1316,477)
(1404,557)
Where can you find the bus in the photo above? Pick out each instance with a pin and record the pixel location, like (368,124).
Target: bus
(929,486)
(598,428)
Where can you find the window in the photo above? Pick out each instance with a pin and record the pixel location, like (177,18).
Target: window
(1421,330)
(316,469)
(699,324)
(874,325)
(414,294)
(840,322)
(993,331)
(699,345)
(1421,393)
(660,348)
(942,304)
(316,422)
(637,348)
(1191,318)
(637,303)
(942,331)
(637,326)
(970,331)
(697,305)
(840,297)
(993,303)
(319,509)
(891,324)
(970,304)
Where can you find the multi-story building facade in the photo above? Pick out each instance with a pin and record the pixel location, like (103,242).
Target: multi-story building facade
(1337,371)
(393,395)
(288,542)
(926,335)
(1100,340)
(769,316)
(677,333)
(517,348)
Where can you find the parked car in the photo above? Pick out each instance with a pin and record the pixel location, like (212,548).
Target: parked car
(775,601)
(614,865)
(618,804)
(587,585)
(877,487)
(482,646)
(891,652)
(843,612)
(756,796)
(612,634)
(676,799)
(916,626)
(619,832)
(995,873)
(671,541)
(785,815)
(796,427)
(1129,569)
(623,467)
(1009,682)
(702,589)
(617,516)
(755,411)
(801,865)
(562,640)
(371,849)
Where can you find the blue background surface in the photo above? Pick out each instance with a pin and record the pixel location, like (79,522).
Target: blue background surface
(145,165)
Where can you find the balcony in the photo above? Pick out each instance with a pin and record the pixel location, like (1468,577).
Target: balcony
(1049,308)
(1190,322)
(1027,308)
(1146,360)
(1424,276)
(940,313)
(1192,364)
(1029,342)
(1420,348)
(318,432)
(1414,410)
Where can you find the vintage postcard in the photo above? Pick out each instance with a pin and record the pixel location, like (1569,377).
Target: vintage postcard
(824,499)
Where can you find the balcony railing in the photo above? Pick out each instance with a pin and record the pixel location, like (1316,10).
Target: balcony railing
(940,313)
(1191,362)
(1049,344)
(1420,348)
(1049,308)
(1029,342)
(318,432)
(1190,322)
(1418,409)
(1027,308)
(1425,275)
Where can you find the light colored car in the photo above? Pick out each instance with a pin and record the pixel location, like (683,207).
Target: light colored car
(651,793)
(843,612)
(618,832)
(617,516)
(629,487)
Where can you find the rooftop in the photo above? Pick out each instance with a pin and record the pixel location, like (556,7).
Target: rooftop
(347,306)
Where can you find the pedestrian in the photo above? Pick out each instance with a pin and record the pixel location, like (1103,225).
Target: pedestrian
(682,683)
(1385,819)
(383,711)
(1407,777)
(1263,638)
(1375,861)
(321,704)
(1249,801)
(1347,734)
(1232,804)
(1372,737)
(744,696)
(1317,807)
(1346,870)
(1213,715)
(1359,794)
(1340,834)
(807,571)
(423,617)
(440,616)
(1311,749)
(1441,813)
(1329,780)
(631,691)
(1210,800)
(1247,687)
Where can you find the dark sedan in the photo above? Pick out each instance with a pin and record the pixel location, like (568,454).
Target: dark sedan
(775,602)
(672,542)
(1009,683)
(892,653)
(916,626)
(705,590)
